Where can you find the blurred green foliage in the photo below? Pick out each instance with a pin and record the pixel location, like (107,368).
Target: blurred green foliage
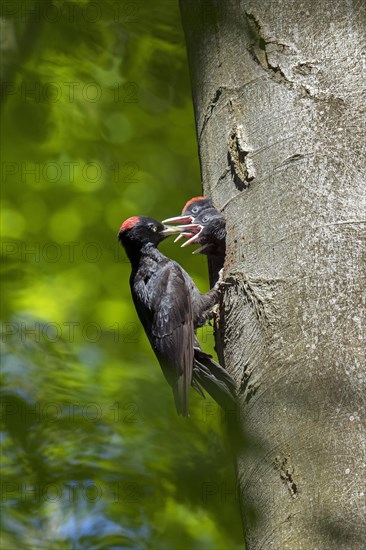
(97,125)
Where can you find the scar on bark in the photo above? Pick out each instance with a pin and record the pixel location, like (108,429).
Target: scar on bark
(240,162)
(286,474)
(214,100)
(260,48)
(259,53)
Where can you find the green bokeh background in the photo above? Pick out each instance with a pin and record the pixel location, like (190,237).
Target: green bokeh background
(97,125)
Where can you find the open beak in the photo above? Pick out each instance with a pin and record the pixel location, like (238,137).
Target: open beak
(183,235)
(179,219)
(167,231)
(196,229)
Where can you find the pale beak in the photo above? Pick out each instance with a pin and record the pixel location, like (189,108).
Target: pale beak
(193,228)
(179,219)
(201,249)
(182,235)
(167,231)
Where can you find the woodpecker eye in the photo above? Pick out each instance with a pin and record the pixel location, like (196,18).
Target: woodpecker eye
(205,219)
(195,209)
(154,228)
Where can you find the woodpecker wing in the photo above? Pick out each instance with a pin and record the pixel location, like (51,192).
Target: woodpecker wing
(168,321)
(174,334)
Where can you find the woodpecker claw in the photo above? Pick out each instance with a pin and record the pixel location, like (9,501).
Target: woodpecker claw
(215,312)
(221,283)
(220,280)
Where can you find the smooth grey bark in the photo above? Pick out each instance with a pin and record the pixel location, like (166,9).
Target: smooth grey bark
(279,98)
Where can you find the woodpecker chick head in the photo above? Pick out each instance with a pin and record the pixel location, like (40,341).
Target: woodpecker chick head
(191,209)
(208,229)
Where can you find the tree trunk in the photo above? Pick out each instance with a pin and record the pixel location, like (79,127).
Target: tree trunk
(279,97)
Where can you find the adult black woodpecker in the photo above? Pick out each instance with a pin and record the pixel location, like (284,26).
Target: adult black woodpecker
(170,307)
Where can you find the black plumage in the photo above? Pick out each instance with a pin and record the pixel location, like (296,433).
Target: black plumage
(170,308)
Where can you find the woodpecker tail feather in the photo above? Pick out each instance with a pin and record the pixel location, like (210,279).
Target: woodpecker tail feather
(180,398)
(214,379)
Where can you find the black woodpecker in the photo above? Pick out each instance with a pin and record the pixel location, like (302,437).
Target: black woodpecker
(205,225)
(170,308)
